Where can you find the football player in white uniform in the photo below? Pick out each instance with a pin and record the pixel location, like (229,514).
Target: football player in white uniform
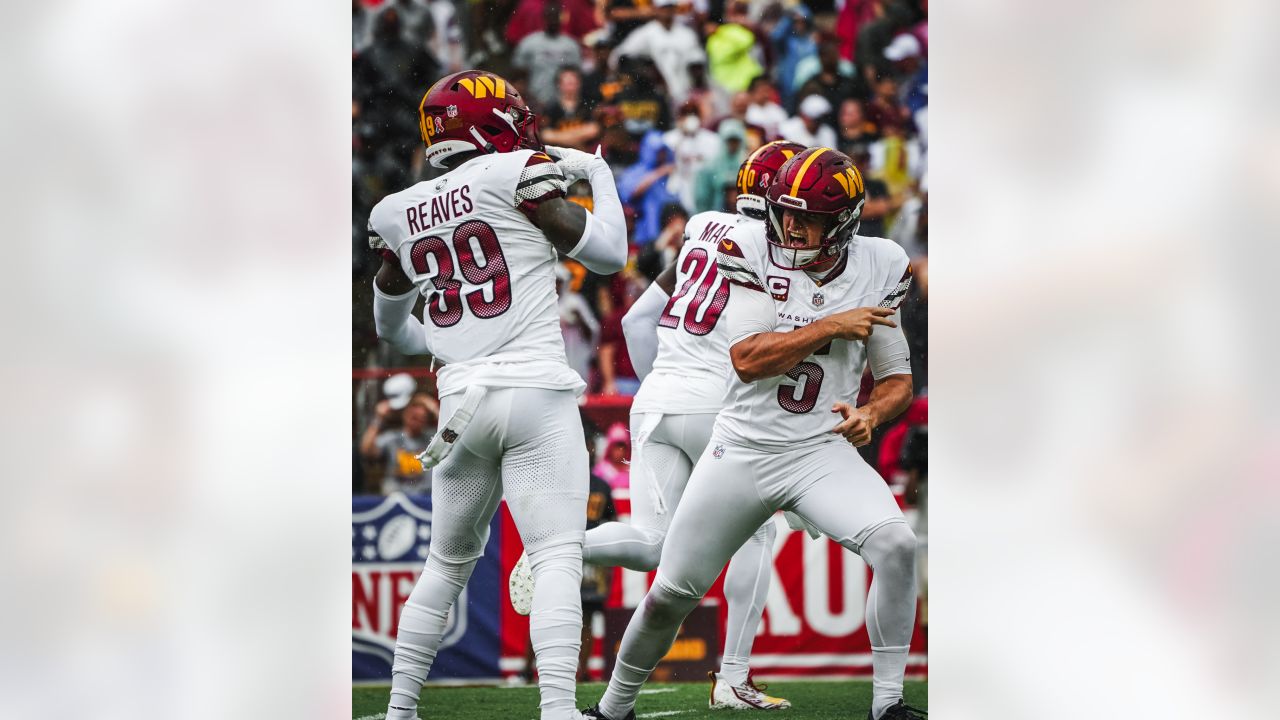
(680,348)
(806,295)
(479,243)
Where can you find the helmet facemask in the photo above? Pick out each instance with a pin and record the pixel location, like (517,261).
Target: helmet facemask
(837,233)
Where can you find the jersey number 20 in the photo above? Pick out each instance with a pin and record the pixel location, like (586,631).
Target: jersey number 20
(705,268)
(445,306)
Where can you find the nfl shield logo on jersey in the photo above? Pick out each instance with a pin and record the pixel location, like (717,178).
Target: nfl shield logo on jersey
(818,299)
(718,452)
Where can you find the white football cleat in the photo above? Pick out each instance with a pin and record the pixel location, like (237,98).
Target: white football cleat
(747,696)
(520,586)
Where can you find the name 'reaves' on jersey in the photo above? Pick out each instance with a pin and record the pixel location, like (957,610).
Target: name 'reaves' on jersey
(794,409)
(468,241)
(691,372)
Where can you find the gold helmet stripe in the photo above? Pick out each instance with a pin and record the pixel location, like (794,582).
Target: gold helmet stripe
(795,186)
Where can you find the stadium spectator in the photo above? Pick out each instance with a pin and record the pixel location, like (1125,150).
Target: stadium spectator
(643,101)
(876,34)
(879,203)
(669,44)
(730,50)
(578,324)
(626,15)
(722,170)
(692,147)
(577,19)
(613,467)
(398,448)
(793,40)
(711,101)
(567,122)
(764,111)
(832,81)
(643,186)
(617,374)
(361,26)
(853,129)
(807,128)
(446,42)
(543,53)
(655,257)
(599,83)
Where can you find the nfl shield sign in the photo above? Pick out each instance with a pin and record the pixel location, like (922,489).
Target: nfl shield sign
(818,299)
(390,540)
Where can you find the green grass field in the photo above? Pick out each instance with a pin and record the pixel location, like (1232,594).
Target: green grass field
(810,700)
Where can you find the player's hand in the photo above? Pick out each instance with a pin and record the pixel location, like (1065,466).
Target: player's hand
(575,164)
(857,424)
(857,324)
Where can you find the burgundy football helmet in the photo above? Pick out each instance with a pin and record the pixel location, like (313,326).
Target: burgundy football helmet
(475,110)
(822,182)
(758,171)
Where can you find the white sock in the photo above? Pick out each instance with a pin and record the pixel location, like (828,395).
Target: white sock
(891,610)
(890,665)
(555,625)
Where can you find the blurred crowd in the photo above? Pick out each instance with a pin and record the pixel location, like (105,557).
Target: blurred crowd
(676,94)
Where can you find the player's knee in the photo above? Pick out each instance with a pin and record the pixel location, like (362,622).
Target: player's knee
(650,552)
(453,570)
(666,605)
(557,557)
(893,544)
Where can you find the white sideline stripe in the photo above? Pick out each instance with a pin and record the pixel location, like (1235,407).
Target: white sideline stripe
(663,713)
(823,660)
(655,691)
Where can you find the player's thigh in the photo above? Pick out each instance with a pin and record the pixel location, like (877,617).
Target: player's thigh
(544,464)
(465,493)
(692,433)
(837,492)
(720,510)
(659,470)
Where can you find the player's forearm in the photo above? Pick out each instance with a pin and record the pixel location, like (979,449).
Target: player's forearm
(369,441)
(605,360)
(889,398)
(640,328)
(393,318)
(767,354)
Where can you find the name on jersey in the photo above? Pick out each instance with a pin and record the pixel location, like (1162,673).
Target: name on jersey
(713,232)
(440,209)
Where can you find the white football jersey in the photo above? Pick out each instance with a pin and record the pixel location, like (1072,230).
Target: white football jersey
(794,409)
(488,273)
(692,369)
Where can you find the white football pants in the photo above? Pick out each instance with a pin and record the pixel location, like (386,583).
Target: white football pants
(664,449)
(525,444)
(727,498)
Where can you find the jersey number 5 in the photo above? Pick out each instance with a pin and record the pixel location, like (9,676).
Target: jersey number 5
(698,265)
(445,305)
(811,373)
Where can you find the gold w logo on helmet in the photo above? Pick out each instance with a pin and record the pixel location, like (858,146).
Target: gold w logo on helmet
(851,180)
(484,85)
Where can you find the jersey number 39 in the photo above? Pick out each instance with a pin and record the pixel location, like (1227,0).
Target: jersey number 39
(486,266)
